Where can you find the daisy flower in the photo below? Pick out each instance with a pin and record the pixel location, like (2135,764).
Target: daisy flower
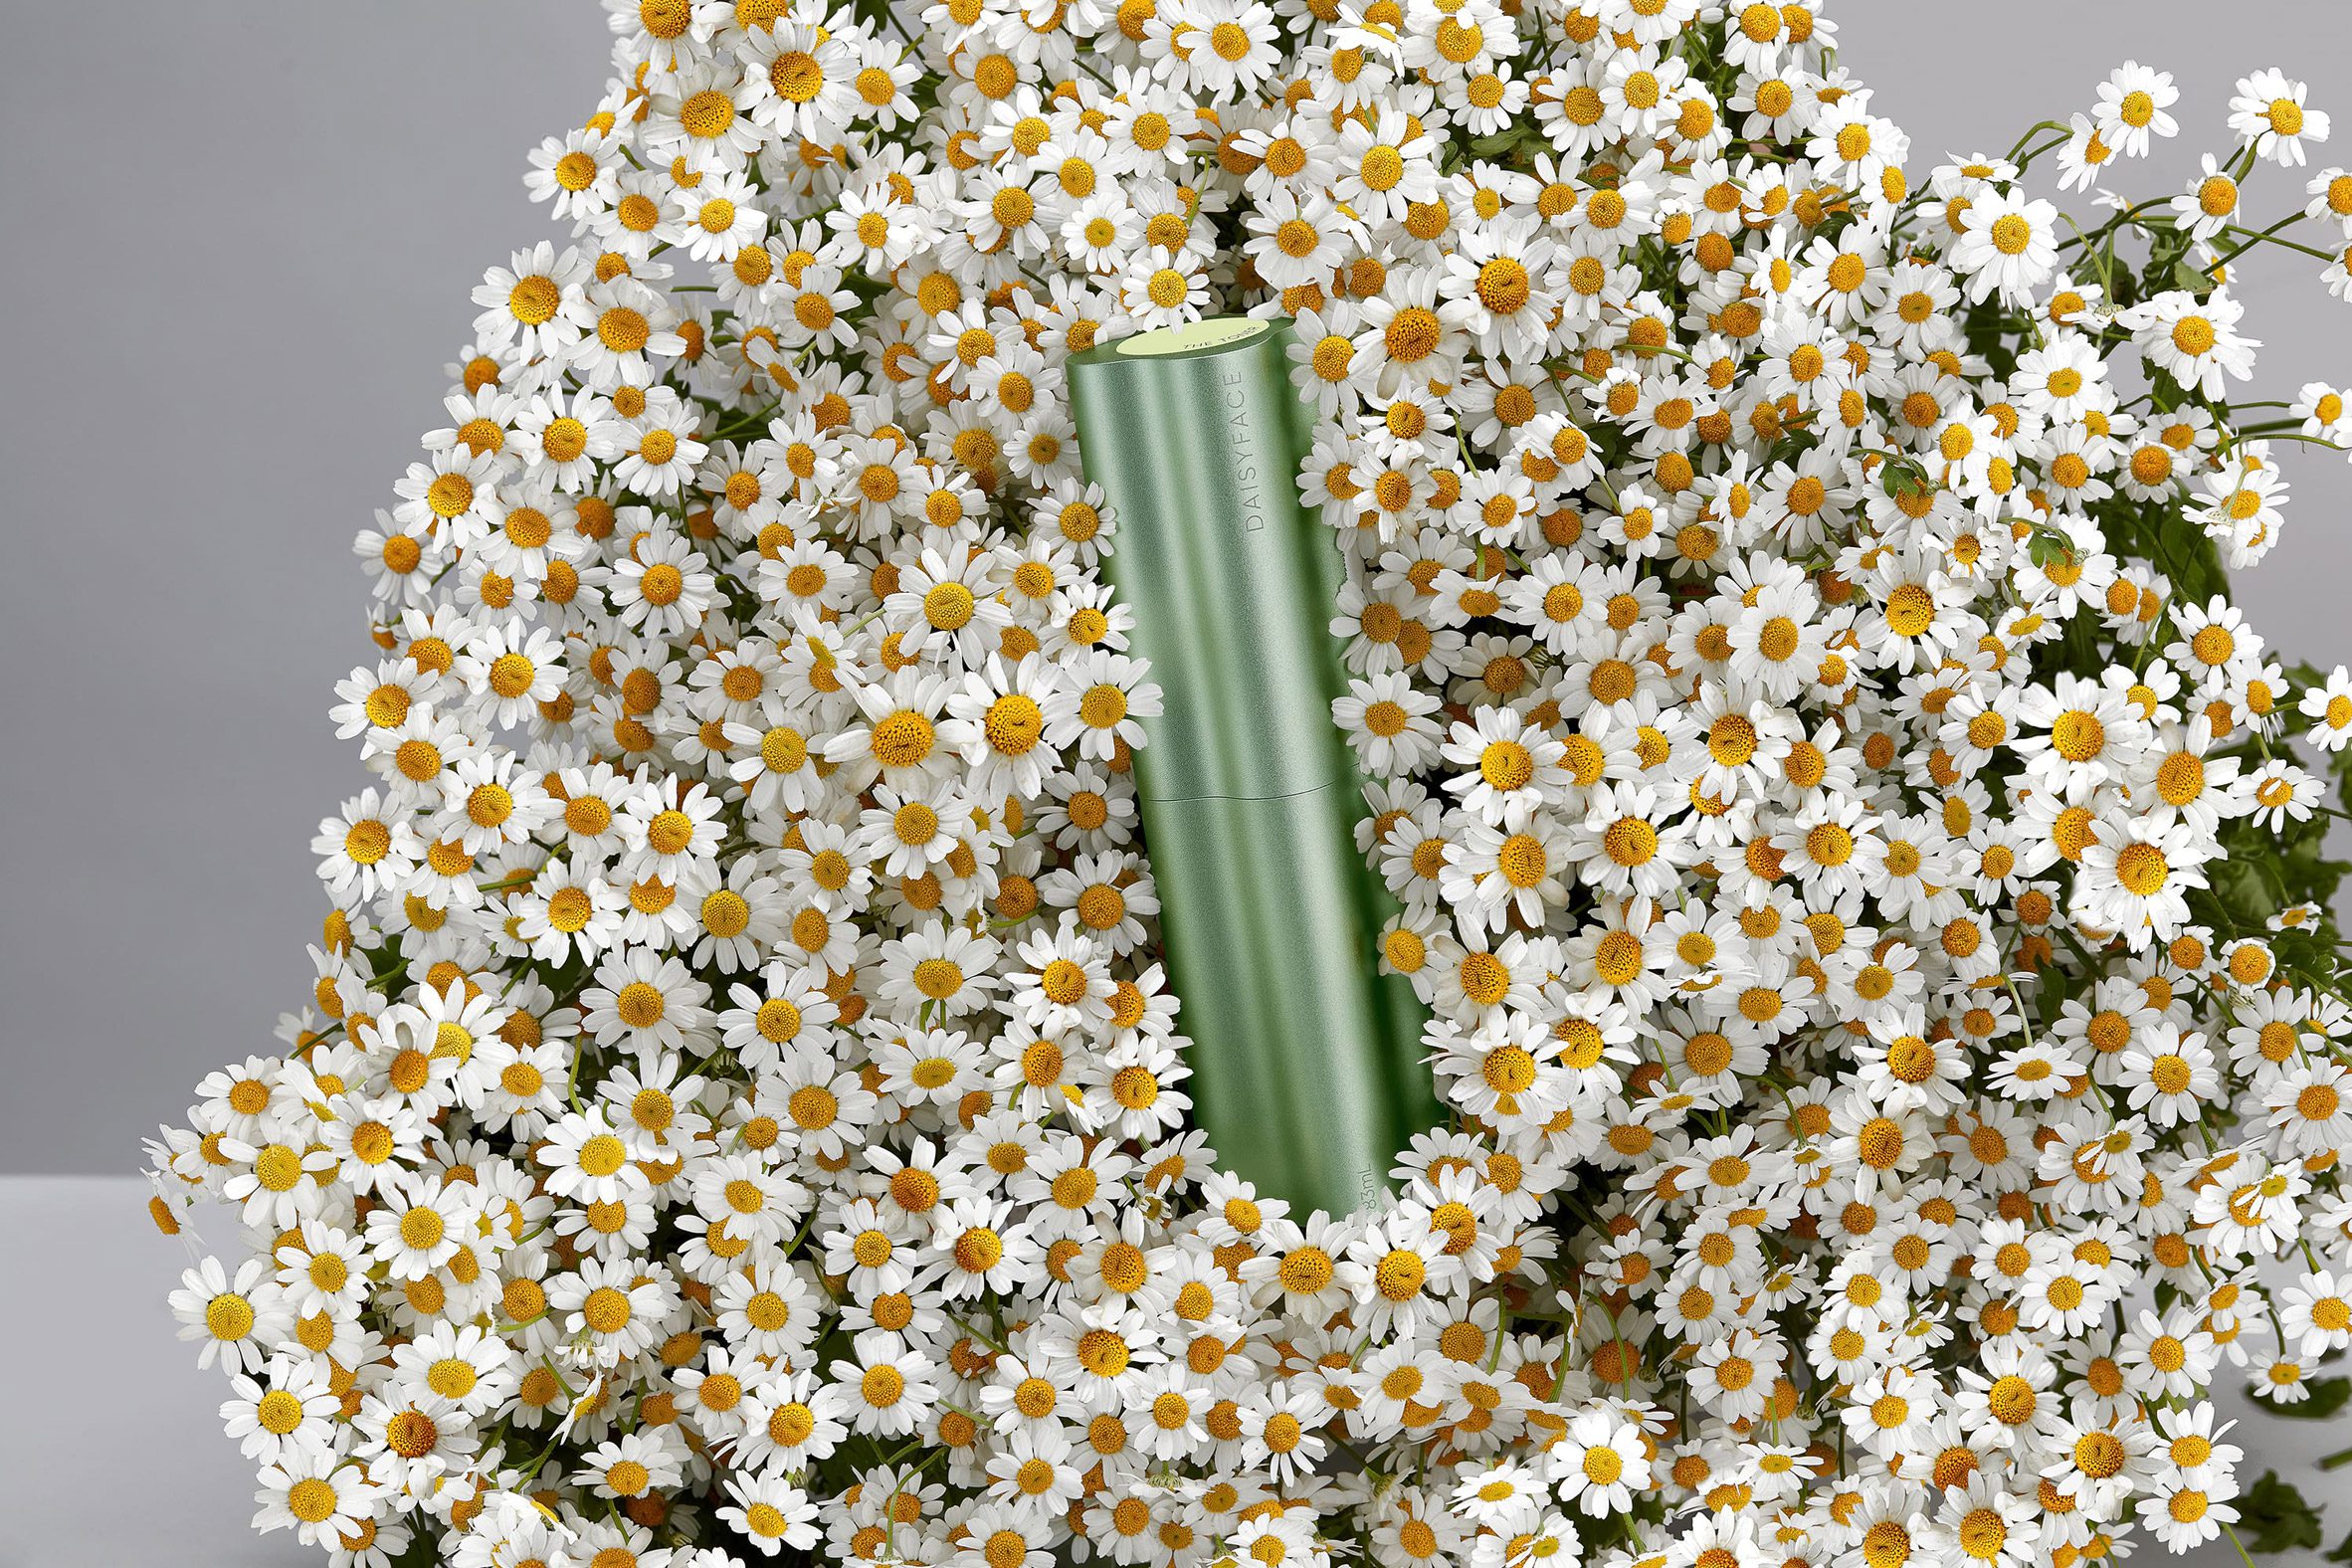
(2009,249)
(2268,110)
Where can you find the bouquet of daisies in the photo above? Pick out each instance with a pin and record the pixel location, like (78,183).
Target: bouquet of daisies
(1866,876)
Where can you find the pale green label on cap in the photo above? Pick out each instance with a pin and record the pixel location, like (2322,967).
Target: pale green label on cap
(1215,332)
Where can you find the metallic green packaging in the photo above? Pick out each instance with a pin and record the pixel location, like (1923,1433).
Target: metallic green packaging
(1306,1062)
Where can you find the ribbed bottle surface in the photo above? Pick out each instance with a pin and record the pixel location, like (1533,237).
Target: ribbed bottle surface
(1306,1069)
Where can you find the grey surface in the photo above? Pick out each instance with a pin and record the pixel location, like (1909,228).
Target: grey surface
(114,1455)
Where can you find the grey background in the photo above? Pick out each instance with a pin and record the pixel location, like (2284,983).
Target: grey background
(239,239)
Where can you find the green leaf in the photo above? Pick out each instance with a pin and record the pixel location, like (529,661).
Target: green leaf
(1903,478)
(1993,334)
(1503,141)
(2274,1516)
(2342,1554)
(2194,279)
(2044,549)
(2242,892)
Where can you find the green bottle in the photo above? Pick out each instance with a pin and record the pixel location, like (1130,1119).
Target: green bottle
(1306,1063)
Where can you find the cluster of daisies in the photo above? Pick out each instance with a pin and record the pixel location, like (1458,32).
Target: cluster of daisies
(1855,855)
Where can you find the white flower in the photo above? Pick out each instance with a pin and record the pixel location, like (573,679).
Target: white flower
(1598,1463)
(632,328)
(2010,248)
(1110,696)
(2269,110)
(660,586)
(287,1413)
(2131,107)
(538,300)
(773,1512)
(319,1495)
